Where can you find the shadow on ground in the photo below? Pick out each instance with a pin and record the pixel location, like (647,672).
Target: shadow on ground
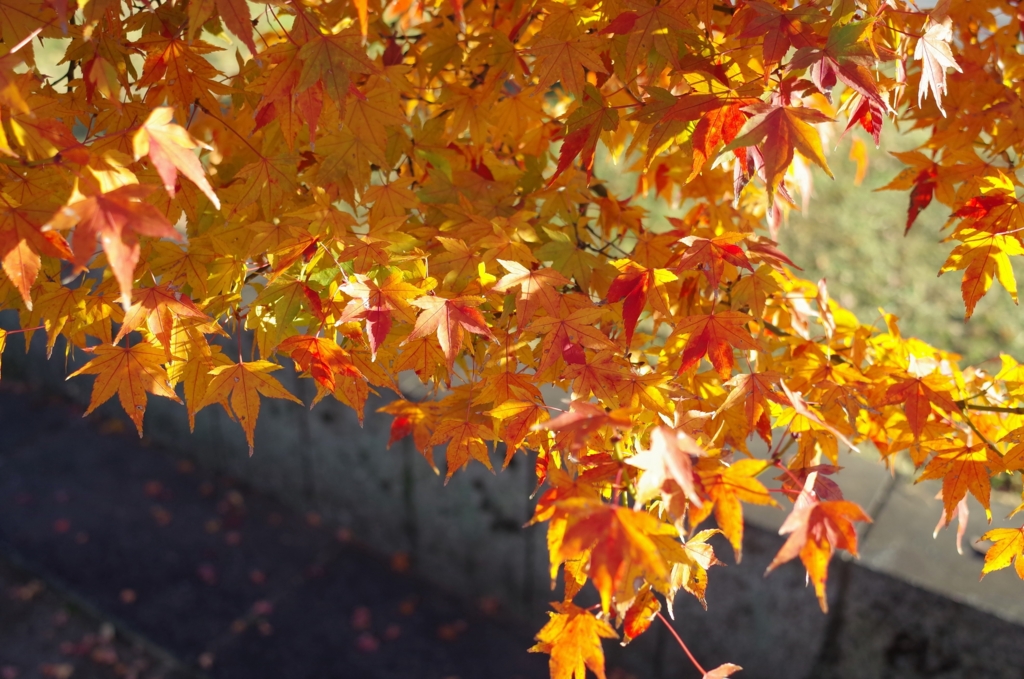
(176,572)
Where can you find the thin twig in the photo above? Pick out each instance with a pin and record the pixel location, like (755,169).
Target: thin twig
(681,644)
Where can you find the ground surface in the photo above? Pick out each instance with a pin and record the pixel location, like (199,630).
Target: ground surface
(120,560)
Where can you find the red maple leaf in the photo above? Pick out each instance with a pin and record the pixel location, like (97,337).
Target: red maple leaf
(715,335)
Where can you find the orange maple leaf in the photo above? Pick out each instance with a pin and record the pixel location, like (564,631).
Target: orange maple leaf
(516,420)
(558,331)
(781,130)
(918,395)
(620,542)
(159,307)
(320,357)
(753,391)
(377,304)
(22,241)
(447,318)
(715,127)
(573,638)
(330,59)
(983,257)
(240,385)
(129,372)
(115,219)
(236,16)
(411,418)
(816,529)
(667,458)
(536,289)
(710,255)
(1008,548)
(726,486)
(170,146)
(583,419)
(465,442)
(963,468)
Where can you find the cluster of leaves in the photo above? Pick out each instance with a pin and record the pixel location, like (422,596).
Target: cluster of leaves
(377,188)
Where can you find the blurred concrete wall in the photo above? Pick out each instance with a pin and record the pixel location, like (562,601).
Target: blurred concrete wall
(468,537)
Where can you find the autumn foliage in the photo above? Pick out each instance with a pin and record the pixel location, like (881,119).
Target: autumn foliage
(371,188)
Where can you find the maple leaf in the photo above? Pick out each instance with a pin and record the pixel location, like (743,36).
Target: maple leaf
(726,487)
(800,408)
(447,318)
(847,57)
(235,14)
(690,567)
(715,335)
(465,442)
(170,146)
(536,289)
(582,420)
(559,331)
(378,304)
(573,639)
(816,529)
(726,670)
(320,357)
(22,242)
(935,55)
(1008,548)
(240,385)
(718,126)
(129,372)
(617,539)
(983,257)
(583,130)
(517,419)
(565,61)
(781,29)
(114,218)
(194,372)
(1013,459)
(710,255)
(330,59)
(753,391)
(568,258)
(923,191)
(870,114)
(410,418)
(917,396)
(641,612)
(668,457)
(963,468)
(780,131)
(159,307)
(633,287)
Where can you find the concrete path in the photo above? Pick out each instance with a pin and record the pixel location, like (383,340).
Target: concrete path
(186,574)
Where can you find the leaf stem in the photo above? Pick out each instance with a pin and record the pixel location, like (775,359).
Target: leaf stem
(21,330)
(682,644)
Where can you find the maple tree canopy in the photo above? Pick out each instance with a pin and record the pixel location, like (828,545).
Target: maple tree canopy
(370,188)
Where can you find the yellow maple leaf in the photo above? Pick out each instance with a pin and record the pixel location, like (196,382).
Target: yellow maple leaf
(241,384)
(573,638)
(129,372)
(1008,548)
